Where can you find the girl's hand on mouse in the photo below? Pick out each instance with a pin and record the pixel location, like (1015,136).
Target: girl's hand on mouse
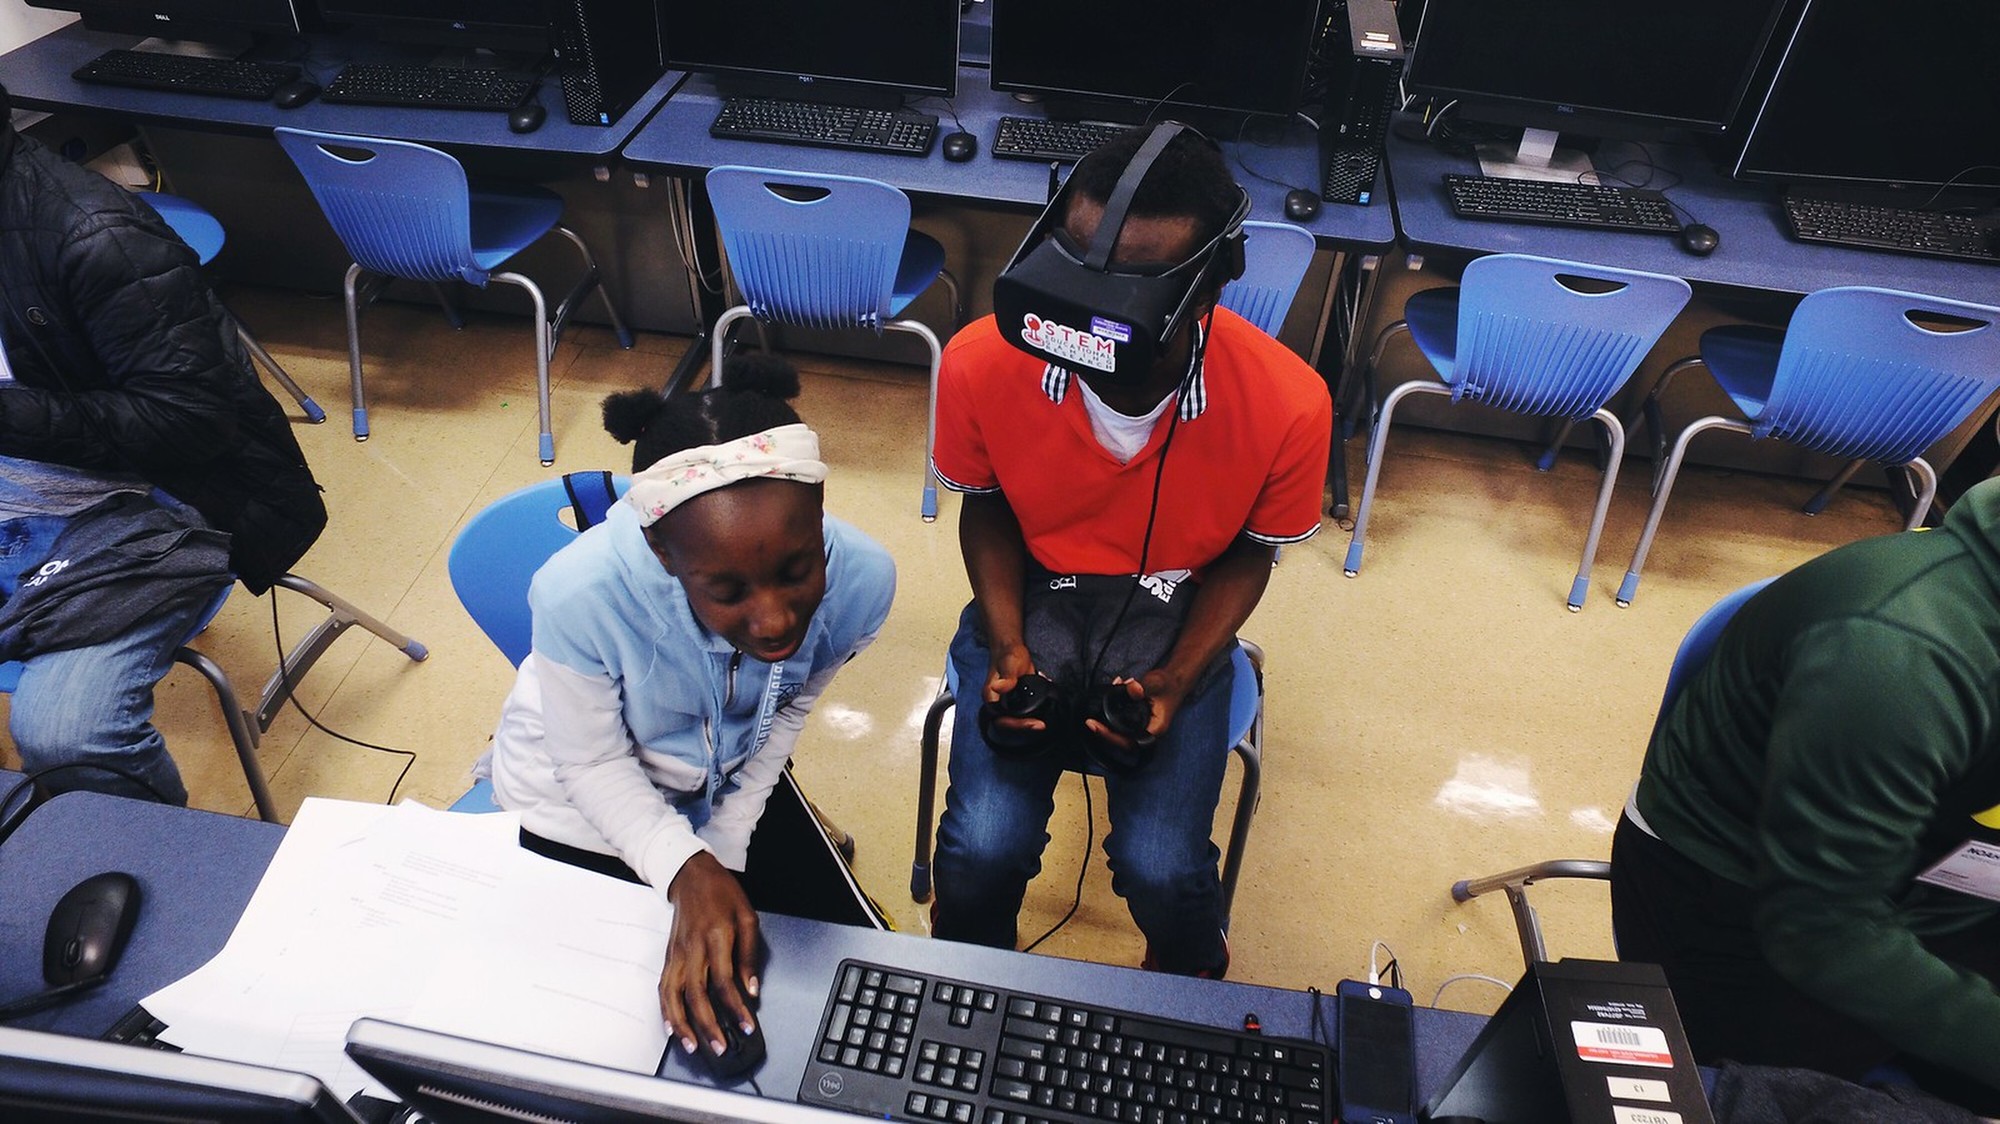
(712,952)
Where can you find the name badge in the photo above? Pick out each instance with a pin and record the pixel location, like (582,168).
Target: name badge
(1972,869)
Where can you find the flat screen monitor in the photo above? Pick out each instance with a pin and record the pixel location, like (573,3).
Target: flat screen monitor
(187,19)
(56,1079)
(1631,69)
(455,1080)
(1898,96)
(1147,55)
(500,25)
(817,49)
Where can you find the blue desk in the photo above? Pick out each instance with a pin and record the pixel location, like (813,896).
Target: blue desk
(38,77)
(677,140)
(198,870)
(1754,252)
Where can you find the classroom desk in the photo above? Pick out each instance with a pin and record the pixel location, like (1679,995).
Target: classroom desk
(197,871)
(1754,252)
(38,77)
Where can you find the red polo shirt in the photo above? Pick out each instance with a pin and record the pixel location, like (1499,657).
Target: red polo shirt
(1249,453)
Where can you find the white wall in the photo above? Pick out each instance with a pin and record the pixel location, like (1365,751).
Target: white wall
(21,24)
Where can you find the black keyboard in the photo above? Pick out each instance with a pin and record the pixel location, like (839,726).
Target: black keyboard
(187,74)
(1038,138)
(1871,227)
(902,132)
(901,1046)
(138,1027)
(1559,203)
(436,87)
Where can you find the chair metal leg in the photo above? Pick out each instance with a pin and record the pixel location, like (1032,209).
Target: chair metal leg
(1927,486)
(242,732)
(1629,588)
(1615,433)
(592,279)
(452,315)
(1250,751)
(263,358)
(544,346)
(957,303)
(928,507)
(1649,410)
(1528,924)
(1378,440)
(927,766)
(719,341)
(1824,496)
(342,614)
(349,294)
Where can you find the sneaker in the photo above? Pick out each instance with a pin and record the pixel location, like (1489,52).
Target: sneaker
(1152,964)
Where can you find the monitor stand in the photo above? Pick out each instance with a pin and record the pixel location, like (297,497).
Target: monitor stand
(1536,158)
(208,47)
(1216,123)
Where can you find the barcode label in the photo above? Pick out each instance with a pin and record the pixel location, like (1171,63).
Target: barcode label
(1626,1114)
(1622,1045)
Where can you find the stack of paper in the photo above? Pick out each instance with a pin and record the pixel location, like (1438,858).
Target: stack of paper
(434,919)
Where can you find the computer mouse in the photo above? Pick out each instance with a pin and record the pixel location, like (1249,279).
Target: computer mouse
(526,118)
(88,928)
(1699,239)
(1301,205)
(959,147)
(741,1052)
(292,95)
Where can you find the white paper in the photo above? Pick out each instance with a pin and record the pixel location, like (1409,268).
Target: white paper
(431,918)
(1972,869)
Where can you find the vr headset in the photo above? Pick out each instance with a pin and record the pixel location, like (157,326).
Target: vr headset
(1065,304)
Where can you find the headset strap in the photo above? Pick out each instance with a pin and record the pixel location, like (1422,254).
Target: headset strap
(1106,237)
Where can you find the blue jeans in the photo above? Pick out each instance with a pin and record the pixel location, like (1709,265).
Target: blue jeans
(996,815)
(94,704)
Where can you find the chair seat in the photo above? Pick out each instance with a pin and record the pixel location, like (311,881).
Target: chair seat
(192,222)
(477,799)
(1744,360)
(1433,319)
(508,218)
(922,261)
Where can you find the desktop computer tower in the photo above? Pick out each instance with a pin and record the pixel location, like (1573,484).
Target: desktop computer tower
(607,54)
(1364,53)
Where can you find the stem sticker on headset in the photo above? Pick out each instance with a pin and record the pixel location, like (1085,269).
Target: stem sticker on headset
(1096,349)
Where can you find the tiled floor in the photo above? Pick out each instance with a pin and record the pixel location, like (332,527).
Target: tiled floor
(1438,717)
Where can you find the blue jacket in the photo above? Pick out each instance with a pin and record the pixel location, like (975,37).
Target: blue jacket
(628,733)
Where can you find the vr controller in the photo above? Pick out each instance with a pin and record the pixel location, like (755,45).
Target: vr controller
(1063,716)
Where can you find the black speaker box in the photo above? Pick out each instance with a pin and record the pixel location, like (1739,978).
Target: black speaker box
(607,55)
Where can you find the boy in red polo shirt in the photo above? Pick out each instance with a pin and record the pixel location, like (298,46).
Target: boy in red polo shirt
(1197,471)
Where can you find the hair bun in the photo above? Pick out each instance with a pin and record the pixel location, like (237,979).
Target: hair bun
(627,414)
(758,372)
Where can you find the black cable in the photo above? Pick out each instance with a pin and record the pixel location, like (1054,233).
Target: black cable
(1082,868)
(8,828)
(287,685)
(1320,1031)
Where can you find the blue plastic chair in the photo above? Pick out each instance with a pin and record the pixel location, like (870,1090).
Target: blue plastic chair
(1854,375)
(827,252)
(205,236)
(1693,652)
(1275,258)
(1246,739)
(1534,336)
(406,210)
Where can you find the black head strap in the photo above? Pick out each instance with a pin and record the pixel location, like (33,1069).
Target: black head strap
(1106,237)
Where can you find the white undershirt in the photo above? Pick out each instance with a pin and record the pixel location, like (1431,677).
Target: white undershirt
(1122,435)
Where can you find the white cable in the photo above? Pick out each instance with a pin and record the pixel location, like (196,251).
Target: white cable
(1374,969)
(1450,980)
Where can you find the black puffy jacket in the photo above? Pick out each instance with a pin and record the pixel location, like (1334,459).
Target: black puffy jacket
(123,358)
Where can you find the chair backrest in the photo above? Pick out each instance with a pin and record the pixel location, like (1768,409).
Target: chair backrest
(188,219)
(1556,338)
(1700,641)
(1275,257)
(401,209)
(1857,377)
(819,251)
(495,557)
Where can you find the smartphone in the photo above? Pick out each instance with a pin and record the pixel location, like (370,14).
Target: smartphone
(1375,1059)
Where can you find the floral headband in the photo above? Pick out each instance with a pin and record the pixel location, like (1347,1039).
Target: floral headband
(788,452)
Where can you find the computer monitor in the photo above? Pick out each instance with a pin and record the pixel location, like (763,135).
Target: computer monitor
(1868,96)
(57,1079)
(201,20)
(1629,69)
(516,26)
(455,1080)
(1134,60)
(858,51)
